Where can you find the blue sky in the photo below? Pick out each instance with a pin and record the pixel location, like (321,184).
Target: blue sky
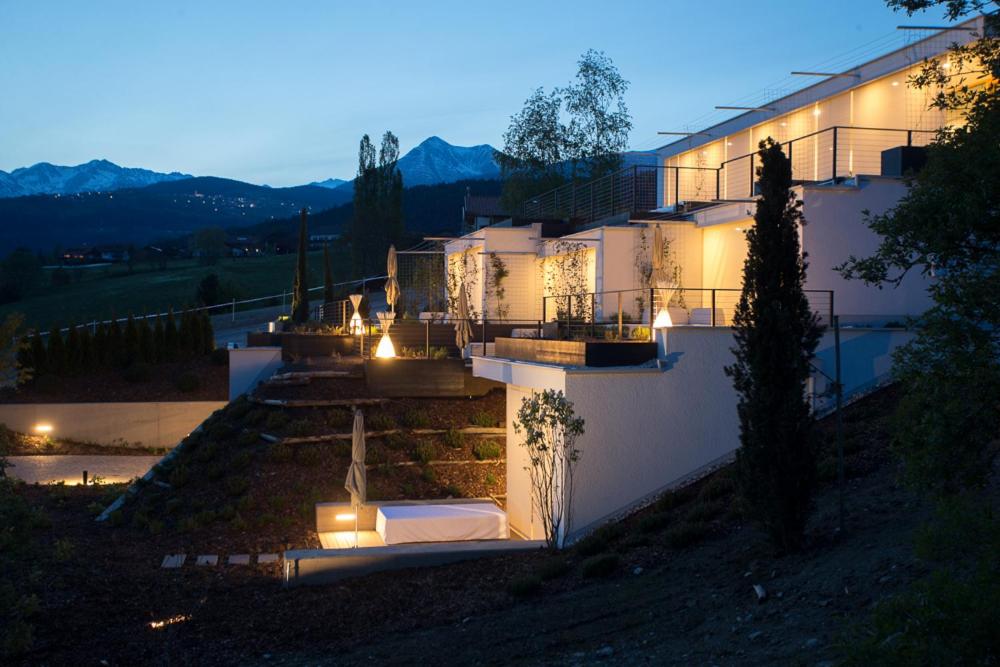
(280,93)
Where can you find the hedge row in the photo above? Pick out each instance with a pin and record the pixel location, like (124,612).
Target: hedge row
(88,347)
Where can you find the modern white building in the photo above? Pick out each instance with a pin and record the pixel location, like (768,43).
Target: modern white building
(585,253)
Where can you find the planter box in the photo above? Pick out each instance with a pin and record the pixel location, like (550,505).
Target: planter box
(423,378)
(595,353)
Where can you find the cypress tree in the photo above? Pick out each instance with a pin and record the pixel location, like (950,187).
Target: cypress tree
(194,334)
(56,352)
(170,336)
(131,354)
(39,354)
(115,353)
(74,363)
(776,334)
(327,275)
(146,351)
(100,354)
(300,289)
(86,349)
(159,342)
(25,357)
(207,334)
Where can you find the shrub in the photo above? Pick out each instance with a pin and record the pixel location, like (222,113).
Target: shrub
(592,544)
(425,452)
(524,585)
(398,441)
(653,522)
(63,549)
(717,487)
(138,372)
(188,382)
(179,477)
(220,356)
(487,450)
(439,353)
(685,534)
(310,456)
(415,418)
(381,421)
(705,511)
(599,566)
(281,453)
(453,491)
(639,333)
(236,486)
(248,438)
(553,568)
(490,479)
(454,439)
(484,419)
(276,419)
(339,418)
(429,475)
(299,427)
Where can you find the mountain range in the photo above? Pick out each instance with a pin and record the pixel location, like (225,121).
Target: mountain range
(93,176)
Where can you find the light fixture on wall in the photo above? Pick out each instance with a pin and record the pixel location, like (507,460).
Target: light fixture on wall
(43,428)
(895,83)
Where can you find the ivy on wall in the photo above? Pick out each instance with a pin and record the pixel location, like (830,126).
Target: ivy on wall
(498,272)
(463,274)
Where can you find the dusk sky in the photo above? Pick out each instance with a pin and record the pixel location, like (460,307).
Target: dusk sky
(280,93)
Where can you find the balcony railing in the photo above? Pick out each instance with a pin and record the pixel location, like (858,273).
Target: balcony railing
(627,313)
(826,155)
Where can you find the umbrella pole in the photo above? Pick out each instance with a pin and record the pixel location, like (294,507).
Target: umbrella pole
(356,509)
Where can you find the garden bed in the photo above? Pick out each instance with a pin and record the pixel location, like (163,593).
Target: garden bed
(158,382)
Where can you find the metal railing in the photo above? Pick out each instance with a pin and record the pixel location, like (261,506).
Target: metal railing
(231,307)
(425,335)
(629,190)
(833,153)
(836,152)
(627,313)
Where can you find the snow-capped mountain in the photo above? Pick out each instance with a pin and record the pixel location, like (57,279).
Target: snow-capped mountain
(94,176)
(437,161)
(330,183)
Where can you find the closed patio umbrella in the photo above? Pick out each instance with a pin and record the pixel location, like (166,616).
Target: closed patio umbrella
(658,278)
(463,330)
(357,480)
(391,283)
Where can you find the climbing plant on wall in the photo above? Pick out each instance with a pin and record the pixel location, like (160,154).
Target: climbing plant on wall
(498,272)
(463,273)
(568,277)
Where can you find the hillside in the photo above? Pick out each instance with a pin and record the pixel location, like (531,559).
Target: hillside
(139,215)
(427,209)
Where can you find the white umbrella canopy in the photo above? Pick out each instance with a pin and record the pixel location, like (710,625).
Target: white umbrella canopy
(391,282)
(357,480)
(463,330)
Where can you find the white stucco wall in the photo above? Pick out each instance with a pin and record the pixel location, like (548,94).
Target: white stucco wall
(835,230)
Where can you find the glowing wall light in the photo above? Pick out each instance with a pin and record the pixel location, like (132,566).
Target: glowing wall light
(43,428)
(345,517)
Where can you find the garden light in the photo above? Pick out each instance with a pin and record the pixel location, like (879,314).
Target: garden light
(43,428)
(663,320)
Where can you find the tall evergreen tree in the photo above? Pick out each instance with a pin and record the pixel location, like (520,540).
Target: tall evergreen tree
(327,275)
(25,354)
(86,349)
(207,334)
(115,343)
(56,352)
(101,345)
(39,354)
(159,340)
(776,335)
(300,290)
(147,352)
(131,352)
(389,195)
(170,337)
(74,360)
(363,224)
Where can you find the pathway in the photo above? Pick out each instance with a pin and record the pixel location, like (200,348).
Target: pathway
(69,468)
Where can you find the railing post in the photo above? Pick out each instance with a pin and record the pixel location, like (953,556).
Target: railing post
(620,330)
(834,167)
(909,137)
(545,302)
(717,191)
(427,338)
(635,175)
(593,313)
(612,211)
(569,313)
(652,314)
(790,163)
(234,309)
(677,187)
(713,307)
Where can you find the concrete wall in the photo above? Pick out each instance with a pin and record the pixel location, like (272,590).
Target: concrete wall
(650,429)
(248,366)
(835,230)
(154,424)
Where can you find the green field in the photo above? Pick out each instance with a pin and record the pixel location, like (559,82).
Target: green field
(100,292)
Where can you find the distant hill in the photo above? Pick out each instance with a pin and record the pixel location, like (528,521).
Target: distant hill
(139,215)
(427,209)
(93,176)
(331,183)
